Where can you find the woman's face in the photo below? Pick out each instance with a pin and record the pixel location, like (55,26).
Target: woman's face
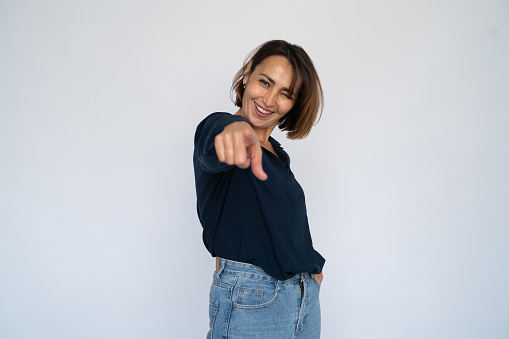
(267,96)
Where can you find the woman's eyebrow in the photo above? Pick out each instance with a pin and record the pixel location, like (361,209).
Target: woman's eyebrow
(273,82)
(268,78)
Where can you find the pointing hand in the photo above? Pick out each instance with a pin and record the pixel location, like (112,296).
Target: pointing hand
(238,145)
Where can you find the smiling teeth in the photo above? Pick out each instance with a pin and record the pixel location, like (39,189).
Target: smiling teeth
(262,110)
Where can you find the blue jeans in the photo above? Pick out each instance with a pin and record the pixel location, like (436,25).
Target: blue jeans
(247,303)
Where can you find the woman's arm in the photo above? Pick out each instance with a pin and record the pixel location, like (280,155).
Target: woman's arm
(204,150)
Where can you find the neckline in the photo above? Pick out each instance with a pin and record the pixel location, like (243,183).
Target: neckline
(277,149)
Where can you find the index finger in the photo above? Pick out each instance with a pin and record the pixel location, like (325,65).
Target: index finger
(256,162)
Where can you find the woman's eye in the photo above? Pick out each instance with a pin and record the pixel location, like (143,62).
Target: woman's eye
(264,83)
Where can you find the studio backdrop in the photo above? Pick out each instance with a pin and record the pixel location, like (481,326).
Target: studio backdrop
(405,175)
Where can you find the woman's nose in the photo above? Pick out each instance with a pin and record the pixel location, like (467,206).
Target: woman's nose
(270,98)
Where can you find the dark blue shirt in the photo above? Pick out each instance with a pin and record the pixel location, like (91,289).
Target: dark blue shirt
(263,223)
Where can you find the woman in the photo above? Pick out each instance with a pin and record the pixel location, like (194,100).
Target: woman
(253,213)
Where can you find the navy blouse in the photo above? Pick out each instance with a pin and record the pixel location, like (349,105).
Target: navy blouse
(263,223)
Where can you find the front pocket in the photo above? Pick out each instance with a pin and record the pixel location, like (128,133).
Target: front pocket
(316,281)
(249,296)
(254,293)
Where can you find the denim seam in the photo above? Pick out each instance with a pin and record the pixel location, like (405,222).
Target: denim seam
(215,304)
(249,276)
(222,285)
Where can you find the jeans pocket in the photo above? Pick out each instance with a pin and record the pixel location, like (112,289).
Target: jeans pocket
(254,293)
(249,296)
(316,281)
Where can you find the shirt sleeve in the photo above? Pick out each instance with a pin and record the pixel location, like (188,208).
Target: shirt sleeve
(204,150)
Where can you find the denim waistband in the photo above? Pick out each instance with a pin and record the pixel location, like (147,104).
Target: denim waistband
(242,268)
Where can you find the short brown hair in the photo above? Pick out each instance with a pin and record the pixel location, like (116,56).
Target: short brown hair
(308,105)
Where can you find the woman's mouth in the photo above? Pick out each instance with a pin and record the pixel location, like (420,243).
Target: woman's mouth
(262,111)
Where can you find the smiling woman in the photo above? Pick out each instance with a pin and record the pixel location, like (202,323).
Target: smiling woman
(267,97)
(268,275)
(304,113)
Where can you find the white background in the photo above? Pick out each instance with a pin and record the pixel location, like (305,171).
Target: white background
(406,175)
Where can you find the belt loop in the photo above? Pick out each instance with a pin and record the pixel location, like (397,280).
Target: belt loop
(221,266)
